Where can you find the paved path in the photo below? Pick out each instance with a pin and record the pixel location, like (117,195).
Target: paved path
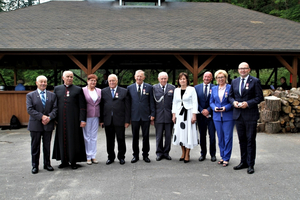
(277,173)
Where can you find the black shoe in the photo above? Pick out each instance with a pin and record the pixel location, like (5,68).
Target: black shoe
(35,170)
(146,159)
(158,158)
(250,170)
(213,159)
(186,161)
(202,158)
(181,159)
(134,159)
(48,167)
(122,161)
(240,166)
(108,162)
(168,157)
(63,165)
(74,166)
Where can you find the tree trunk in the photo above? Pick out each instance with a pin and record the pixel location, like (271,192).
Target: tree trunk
(273,127)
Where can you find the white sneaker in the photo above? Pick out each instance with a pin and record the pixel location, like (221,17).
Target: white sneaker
(89,162)
(94,161)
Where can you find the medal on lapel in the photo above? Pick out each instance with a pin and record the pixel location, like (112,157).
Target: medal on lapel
(226,94)
(117,95)
(144,91)
(68,93)
(247,86)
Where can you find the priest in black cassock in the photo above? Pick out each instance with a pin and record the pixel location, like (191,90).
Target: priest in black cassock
(69,143)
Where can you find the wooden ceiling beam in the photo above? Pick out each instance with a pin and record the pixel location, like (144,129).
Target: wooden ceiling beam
(78,63)
(206,63)
(186,64)
(100,63)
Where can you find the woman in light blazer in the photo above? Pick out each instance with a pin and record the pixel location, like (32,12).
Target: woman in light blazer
(184,110)
(93,98)
(222,115)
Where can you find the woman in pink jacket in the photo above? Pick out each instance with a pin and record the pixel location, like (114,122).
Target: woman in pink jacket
(93,98)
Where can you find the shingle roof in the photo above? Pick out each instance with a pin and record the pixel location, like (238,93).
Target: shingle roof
(176,26)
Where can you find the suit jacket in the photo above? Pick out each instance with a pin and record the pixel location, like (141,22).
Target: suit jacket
(119,106)
(141,108)
(252,94)
(36,110)
(203,103)
(215,102)
(163,108)
(92,108)
(189,100)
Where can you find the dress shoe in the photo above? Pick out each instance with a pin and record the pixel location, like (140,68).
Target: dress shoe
(89,162)
(34,170)
(181,159)
(122,161)
(158,158)
(213,159)
(108,162)
(240,166)
(48,167)
(202,158)
(74,166)
(146,159)
(250,170)
(168,157)
(134,159)
(94,161)
(63,165)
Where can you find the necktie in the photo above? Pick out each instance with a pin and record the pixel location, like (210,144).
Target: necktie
(112,93)
(242,85)
(43,98)
(139,91)
(205,91)
(163,88)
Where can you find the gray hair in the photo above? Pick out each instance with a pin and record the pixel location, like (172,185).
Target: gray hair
(112,75)
(41,77)
(221,71)
(65,72)
(139,71)
(162,73)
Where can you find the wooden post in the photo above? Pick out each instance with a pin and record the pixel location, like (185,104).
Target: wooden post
(15,76)
(295,68)
(89,64)
(195,73)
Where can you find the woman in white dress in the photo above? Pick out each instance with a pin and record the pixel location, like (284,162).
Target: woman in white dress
(184,111)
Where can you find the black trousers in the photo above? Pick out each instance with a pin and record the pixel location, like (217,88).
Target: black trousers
(160,129)
(246,131)
(136,125)
(111,131)
(36,138)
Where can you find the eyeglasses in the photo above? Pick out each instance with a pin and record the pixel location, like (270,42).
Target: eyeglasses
(220,77)
(244,68)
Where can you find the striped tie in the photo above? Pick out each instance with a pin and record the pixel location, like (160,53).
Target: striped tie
(43,98)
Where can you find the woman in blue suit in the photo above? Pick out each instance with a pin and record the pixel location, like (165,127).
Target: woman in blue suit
(222,115)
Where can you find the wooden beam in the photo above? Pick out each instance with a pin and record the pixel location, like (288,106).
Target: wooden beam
(89,64)
(15,76)
(1,56)
(78,63)
(100,63)
(206,63)
(186,64)
(195,73)
(295,68)
(285,64)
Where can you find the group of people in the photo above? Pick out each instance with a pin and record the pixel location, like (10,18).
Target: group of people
(78,112)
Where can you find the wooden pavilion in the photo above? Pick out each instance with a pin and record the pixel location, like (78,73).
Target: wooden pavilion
(92,35)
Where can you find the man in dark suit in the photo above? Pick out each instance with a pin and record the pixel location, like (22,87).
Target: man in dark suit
(115,116)
(42,108)
(142,112)
(163,96)
(245,93)
(71,118)
(204,119)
